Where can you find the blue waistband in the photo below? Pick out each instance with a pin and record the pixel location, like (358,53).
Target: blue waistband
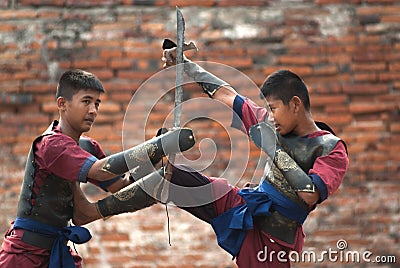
(280,203)
(60,255)
(231,226)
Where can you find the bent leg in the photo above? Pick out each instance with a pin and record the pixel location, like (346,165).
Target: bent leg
(202,196)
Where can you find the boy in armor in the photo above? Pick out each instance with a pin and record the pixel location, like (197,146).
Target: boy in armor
(59,160)
(309,164)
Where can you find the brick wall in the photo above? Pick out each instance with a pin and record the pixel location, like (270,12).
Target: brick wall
(347,52)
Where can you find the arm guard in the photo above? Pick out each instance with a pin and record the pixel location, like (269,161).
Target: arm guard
(153,150)
(209,82)
(296,177)
(264,138)
(138,195)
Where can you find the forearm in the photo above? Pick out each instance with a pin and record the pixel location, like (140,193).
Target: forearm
(310,198)
(119,184)
(84,210)
(97,172)
(226,95)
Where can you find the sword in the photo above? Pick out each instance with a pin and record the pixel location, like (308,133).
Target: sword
(180,23)
(180,26)
(180,31)
(181,46)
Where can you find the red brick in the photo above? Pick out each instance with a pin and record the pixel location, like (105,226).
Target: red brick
(134,75)
(88,64)
(340,109)
(237,63)
(21,148)
(48,14)
(388,76)
(369,126)
(118,86)
(300,60)
(103,43)
(18,14)
(394,127)
(339,119)
(121,63)
(365,89)
(143,53)
(142,64)
(7,27)
(144,2)
(49,107)
(330,2)
(360,108)
(365,77)
(110,107)
(323,100)
(88,3)
(376,66)
(182,3)
(41,2)
(228,3)
(32,119)
(115,237)
(116,53)
(111,26)
(368,10)
(39,88)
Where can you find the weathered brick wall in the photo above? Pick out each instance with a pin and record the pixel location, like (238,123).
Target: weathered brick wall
(348,53)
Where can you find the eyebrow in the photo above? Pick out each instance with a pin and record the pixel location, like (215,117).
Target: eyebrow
(90,97)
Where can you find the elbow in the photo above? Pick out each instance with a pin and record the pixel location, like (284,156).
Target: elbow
(86,215)
(79,220)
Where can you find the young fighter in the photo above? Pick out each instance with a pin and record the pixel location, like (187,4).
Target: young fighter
(309,164)
(59,160)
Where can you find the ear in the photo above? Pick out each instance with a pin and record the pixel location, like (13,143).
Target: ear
(296,103)
(61,103)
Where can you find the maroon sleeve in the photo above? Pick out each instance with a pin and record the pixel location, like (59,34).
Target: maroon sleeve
(99,153)
(248,112)
(331,168)
(61,155)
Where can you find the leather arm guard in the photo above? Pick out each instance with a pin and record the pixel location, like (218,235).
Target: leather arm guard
(264,138)
(153,151)
(138,195)
(296,177)
(208,82)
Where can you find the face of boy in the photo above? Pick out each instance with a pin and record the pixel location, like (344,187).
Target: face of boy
(81,111)
(284,117)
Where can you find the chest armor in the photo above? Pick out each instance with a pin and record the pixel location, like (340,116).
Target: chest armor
(54,202)
(304,151)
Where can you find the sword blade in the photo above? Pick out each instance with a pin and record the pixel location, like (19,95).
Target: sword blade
(179,68)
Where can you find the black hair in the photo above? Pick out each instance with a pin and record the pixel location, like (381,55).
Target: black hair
(284,85)
(74,80)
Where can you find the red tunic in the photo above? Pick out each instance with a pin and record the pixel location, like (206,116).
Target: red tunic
(260,249)
(55,154)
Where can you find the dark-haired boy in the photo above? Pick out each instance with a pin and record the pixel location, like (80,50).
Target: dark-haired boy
(59,160)
(309,164)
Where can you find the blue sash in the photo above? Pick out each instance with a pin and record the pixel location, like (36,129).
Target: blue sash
(231,226)
(60,255)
